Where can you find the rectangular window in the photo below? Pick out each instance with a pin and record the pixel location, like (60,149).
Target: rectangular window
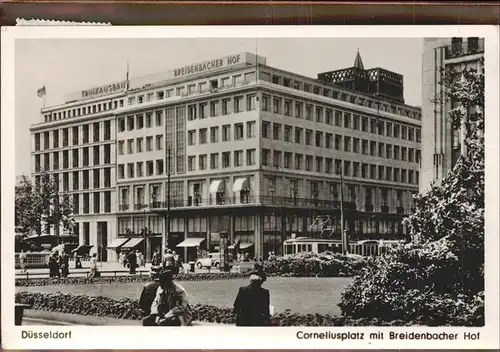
(226,160)
(139,145)
(266,157)
(238,158)
(309,112)
(288,108)
(214,134)
(238,131)
(203,136)
(347,120)
(251,129)
(265,129)
(203,111)
(309,162)
(298,161)
(214,108)
(226,133)
(96,154)
(265,103)
(277,159)
(277,105)
(159,142)
(319,139)
(250,157)
(251,100)
(214,161)
(226,106)
(191,112)
(276,131)
(202,162)
(140,122)
(298,135)
(308,137)
(191,163)
(288,132)
(140,169)
(192,137)
(329,116)
(299,110)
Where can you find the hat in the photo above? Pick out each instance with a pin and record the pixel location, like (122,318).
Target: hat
(166,274)
(258,275)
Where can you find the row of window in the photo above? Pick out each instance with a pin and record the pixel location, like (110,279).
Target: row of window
(137,145)
(339,118)
(85,200)
(239,133)
(101,155)
(225,162)
(332,93)
(80,180)
(61,137)
(141,169)
(348,168)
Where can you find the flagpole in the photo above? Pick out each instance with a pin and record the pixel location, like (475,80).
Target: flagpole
(127,77)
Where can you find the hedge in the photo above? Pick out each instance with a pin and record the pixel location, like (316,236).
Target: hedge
(127,308)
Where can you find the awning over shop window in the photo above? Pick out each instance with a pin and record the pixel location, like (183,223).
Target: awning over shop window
(134,242)
(216,186)
(242,245)
(191,242)
(241,184)
(118,243)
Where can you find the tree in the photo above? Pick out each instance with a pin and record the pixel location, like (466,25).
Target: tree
(42,204)
(437,278)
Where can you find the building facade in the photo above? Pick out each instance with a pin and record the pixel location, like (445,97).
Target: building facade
(442,144)
(252,151)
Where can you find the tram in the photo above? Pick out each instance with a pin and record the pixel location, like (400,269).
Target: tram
(313,245)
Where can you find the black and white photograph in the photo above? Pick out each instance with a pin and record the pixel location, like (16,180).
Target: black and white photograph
(253,181)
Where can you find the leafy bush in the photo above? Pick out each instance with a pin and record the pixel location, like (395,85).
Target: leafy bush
(437,278)
(310,264)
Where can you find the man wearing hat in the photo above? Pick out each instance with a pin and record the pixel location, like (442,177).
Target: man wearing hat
(252,302)
(170,306)
(148,293)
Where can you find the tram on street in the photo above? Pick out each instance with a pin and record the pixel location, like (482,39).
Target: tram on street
(316,245)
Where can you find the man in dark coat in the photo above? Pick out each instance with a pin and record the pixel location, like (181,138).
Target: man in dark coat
(148,294)
(252,303)
(132,261)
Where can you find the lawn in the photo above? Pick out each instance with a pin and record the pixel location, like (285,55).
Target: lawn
(301,295)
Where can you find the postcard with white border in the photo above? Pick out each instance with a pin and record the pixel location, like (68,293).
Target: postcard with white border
(258,187)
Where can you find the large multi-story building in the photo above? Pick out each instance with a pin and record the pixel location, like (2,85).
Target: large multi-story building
(442,144)
(255,153)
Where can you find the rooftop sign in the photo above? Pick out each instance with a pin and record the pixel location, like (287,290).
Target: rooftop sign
(104,90)
(209,65)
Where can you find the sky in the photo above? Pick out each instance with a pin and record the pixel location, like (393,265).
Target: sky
(68,65)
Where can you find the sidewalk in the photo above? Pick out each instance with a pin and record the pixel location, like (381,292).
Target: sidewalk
(106,268)
(41,317)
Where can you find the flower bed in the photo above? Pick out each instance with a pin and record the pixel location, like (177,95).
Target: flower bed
(129,309)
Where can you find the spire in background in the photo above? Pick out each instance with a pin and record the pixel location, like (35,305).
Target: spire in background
(127,78)
(358,63)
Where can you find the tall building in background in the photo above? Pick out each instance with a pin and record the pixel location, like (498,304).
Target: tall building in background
(442,145)
(255,154)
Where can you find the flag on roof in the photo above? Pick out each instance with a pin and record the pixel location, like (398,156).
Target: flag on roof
(41,92)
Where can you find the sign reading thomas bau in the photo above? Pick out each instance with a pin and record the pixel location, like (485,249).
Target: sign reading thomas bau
(104,90)
(208,65)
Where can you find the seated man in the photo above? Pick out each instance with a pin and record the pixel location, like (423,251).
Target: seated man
(148,293)
(170,306)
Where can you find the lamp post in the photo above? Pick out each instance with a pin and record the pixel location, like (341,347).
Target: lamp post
(272,190)
(342,231)
(164,239)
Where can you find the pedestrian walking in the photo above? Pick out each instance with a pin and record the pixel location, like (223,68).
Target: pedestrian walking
(94,271)
(132,261)
(22,261)
(168,261)
(252,302)
(64,264)
(54,265)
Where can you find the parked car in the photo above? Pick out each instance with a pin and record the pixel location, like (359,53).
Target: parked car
(212,259)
